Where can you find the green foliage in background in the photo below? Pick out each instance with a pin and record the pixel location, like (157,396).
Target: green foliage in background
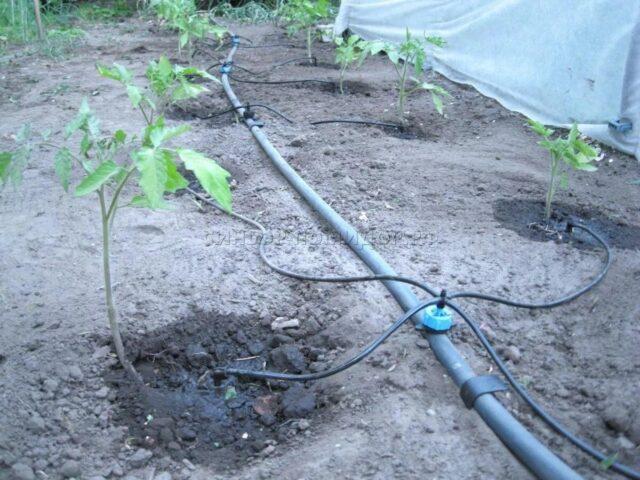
(192,24)
(246,12)
(568,152)
(60,18)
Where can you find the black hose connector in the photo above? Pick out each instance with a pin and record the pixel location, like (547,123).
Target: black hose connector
(442,302)
(569,227)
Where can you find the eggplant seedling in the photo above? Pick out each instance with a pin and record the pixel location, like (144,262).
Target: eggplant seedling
(304,15)
(111,162)
(412,51)
(569,151)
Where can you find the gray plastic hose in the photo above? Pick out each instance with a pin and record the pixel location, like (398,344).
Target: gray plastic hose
(526,448)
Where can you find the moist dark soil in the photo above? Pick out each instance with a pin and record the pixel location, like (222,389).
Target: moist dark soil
(449,201)
(526,216)
(186,412)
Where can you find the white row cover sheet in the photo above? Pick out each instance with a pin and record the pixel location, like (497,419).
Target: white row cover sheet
(554,61)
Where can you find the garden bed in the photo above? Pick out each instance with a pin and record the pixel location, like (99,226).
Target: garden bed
(449,203)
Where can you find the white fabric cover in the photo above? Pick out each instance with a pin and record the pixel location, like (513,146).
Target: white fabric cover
(554,61)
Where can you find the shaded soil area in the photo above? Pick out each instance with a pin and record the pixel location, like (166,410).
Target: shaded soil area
(449,201)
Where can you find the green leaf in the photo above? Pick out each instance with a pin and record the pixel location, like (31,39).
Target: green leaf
(63,162)
(153,174)
(165,69)
(159,135)
(85,145)
(539,128)
(120,136)
(79,120)
(437,102)
(564,180)
(230,393)
(24,133)
(117,72)
(184,39)
(609,461)
(134,95)
(5,161)
(587,167)
(211,176)
(175,181)
(187,90)
(585,149)
(140,201)
(95,180)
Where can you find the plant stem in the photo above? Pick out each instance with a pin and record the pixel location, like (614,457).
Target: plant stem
(112,313)
(551,188)
(342,72)
(144,114)
(402,94)
(309,42)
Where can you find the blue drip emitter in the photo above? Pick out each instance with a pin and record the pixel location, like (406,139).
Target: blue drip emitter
(437,318)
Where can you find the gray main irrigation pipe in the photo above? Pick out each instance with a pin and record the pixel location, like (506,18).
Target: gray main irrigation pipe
(528,449)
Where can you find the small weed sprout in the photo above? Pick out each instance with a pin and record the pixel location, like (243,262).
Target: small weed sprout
(305,15)
(569,151)
(403,55)
(111,162)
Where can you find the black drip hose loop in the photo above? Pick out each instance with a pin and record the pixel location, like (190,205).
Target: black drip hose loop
(557,302)
(281,82)
(305,377)
(246,107)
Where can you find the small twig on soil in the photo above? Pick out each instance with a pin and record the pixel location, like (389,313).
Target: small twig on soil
(244,359)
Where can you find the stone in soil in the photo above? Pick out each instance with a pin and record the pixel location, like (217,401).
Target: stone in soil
(20,471)
(70,469)
(140,458)
(298,402)
(288,358)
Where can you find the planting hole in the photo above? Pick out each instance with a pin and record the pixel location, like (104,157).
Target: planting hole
(185,413)
(519,214)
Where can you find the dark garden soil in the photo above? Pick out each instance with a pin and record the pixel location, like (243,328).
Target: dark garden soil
(449,200)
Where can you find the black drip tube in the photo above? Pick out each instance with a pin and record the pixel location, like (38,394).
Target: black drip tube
(528,449)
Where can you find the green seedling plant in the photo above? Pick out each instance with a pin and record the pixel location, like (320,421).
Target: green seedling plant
(168,85)
(348,52)
(109,163)
(305,15)
(568,152)
(407,57)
